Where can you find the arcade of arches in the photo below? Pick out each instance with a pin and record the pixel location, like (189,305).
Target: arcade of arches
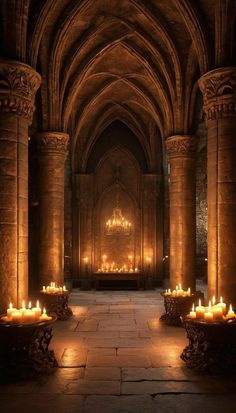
(126,99)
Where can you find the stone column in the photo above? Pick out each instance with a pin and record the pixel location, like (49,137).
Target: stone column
(219,94)
(18,85)
(181,154)
(52,151)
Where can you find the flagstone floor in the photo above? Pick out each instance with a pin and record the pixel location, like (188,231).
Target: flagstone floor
(115,356)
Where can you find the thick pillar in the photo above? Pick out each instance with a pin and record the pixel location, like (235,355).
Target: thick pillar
(181,155)
(18,85)
(219,93)
(52,151)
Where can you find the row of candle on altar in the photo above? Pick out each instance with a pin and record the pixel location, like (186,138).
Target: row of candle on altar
(113,268)
(178,292)
(213,312)
(26,314)
(53,289)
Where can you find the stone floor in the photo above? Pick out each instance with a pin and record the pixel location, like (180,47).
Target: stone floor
(115,356)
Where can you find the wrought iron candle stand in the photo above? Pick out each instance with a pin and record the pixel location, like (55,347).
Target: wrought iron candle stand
(212,346)
(24,350)
(57,303)
(175,307)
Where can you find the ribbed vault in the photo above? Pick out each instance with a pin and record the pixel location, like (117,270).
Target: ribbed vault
(102,60)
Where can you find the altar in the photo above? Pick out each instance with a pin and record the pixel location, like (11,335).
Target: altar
(111,279)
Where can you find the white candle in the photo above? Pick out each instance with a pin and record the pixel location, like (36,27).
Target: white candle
(222,305)
(37,310)
(44,316)
(217,312)
(16,317)
(28,316)
(200,310)
(10,310)
(192,313)
(208,317)
(231,313)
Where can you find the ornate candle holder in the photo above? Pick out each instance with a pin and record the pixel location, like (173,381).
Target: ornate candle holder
(212,345)
(24,350)
(175,307)
(55,300)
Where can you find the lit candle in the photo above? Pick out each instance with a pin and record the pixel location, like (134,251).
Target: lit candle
(200,310)
(44,316)
(189,291)
(208,316)
(217,312)
(192,313)
(16,317)
(222,305)
(44,289)
(10,310)
(37,310)
(231,313)
(28,316)
(23,308)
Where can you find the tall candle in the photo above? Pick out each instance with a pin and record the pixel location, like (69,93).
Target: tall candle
(222,305)
(217,312)
(37,310)
(200,310)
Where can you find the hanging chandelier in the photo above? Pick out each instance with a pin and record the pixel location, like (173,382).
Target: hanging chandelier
(118,225)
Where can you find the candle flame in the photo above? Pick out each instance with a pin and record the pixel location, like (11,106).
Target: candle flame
(213,300)
(37,304)
(29,305)
(180,286)
(230,307)
(193,307)
(200,303)
(10,305)
(44,311)
(221,299)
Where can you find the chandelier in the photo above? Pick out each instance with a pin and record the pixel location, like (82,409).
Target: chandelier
(118,225)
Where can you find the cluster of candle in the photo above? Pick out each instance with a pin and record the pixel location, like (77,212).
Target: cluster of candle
(213,312)
(25,314)
(54,289)
(178,292)
(114,268)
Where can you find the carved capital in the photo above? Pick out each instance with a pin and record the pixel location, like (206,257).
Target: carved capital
(18,85)
(179,146)
(219,93)
(53,142)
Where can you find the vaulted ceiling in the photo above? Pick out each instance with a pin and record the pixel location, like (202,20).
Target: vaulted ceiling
(136,61)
